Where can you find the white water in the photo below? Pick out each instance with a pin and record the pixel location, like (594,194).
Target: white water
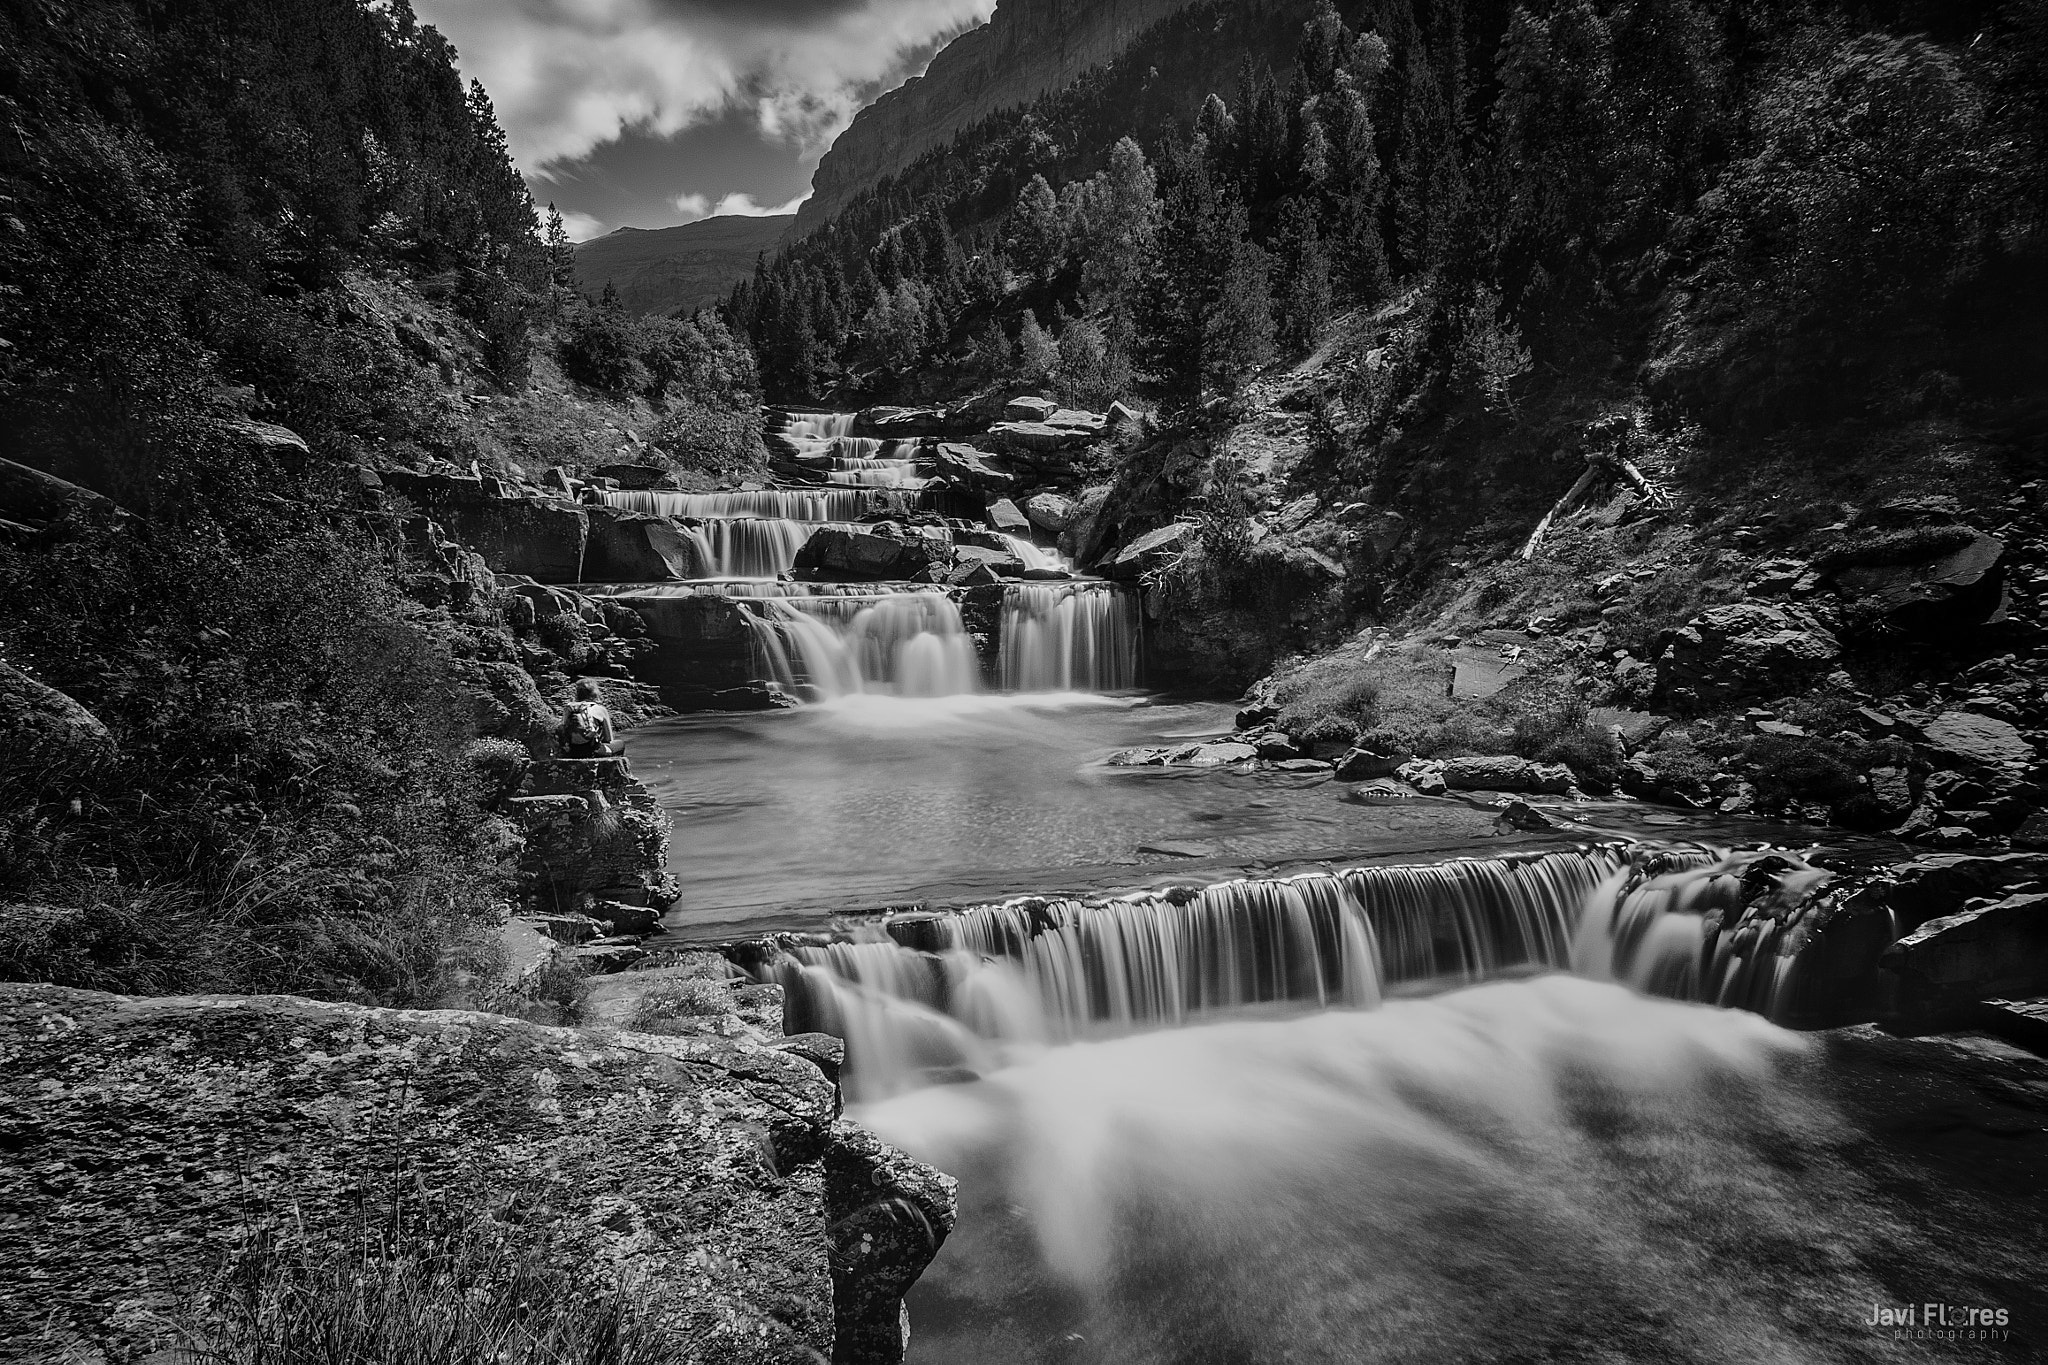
(904,644)
(1066,637)
(963,992)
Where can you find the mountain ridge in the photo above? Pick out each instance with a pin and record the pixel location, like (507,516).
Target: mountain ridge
(689,266)
(1028,48)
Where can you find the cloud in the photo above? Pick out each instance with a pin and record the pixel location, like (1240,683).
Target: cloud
(695,206)
(582,227)
(569,75)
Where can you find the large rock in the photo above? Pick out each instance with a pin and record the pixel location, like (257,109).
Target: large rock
(1036,442)
(893,423)
(1746,649)
(1053,512)
(1082,541)
(1987,951)
(31,497)
(1937,595)
(638,477)
(1150,550)
(974,470)
(39,722)
(1506,773)
(871,555)
(704,645)
(1029,408)
(1983,743)
(1008,518)
(148,1140)
(541,538)
(632,547)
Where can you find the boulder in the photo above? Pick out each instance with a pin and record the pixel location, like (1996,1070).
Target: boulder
(1978,742)
(1365,762)
(1150,550)
(631,547)
(1426,776)
(1077,419)
(1506,773)
(1053,512)
(1121,414)
(1481,671)
(1985,951)
(999,563)
(867,555)
(638,477)
(1937,595)
(893,423)
(32,498)
(1036,441)
(532,536)
(972,469)
(1082,541)
(1275,747)
(1008,518)
(1029,408)
(37,721)
(1745,649)
(704,646)
(1215,755)
(165,1131)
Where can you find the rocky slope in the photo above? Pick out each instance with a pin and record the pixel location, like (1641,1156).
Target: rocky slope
(1027,48)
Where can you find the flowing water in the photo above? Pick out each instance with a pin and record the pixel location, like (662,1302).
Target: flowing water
(1418,1088)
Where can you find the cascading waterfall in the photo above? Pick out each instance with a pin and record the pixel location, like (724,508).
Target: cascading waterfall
(959,992)
(906,644)
(813,505)
(1068,637)
(1697,926)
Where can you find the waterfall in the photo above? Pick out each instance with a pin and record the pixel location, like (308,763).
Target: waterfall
(818,426)
(1033,557)
(907,644)
(1696,926)
(1068,637)
(958,991)
(814,505)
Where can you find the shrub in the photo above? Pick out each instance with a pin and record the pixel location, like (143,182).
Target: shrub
(496,767)
(555,992)
(665,1003)
(600,348)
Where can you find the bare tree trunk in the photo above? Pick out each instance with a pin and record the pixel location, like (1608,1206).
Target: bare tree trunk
(1563,505)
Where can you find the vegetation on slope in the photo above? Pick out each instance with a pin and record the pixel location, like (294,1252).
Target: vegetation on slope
(225,227)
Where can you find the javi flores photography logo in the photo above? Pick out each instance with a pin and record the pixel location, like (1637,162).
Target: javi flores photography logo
(1939,1322)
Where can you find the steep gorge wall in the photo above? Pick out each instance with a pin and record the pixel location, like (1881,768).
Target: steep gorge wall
(1026,49)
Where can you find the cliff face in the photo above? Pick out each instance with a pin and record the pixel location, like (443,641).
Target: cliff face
(1029,47)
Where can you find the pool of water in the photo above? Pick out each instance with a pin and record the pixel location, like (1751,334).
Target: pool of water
(785,818)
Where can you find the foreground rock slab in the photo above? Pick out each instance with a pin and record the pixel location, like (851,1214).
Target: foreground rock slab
(149,1139)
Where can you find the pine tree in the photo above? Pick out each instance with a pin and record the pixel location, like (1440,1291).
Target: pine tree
(561,252)
(1238,323)
(1035,241)
(1304,304)
(1037,354)
(995,356)
(609,299)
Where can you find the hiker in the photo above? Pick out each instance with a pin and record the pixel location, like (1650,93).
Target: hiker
(586,729)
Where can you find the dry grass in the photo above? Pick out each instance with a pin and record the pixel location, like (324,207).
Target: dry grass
(443,1294)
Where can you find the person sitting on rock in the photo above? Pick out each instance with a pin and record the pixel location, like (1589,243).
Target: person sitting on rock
(586,729)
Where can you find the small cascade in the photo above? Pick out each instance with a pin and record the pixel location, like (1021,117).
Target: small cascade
(1693,925)
(811,505)
(905,644)
(1036,557)
(954,991)
(1068,637)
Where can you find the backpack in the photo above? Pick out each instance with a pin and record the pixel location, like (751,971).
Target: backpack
(580,729)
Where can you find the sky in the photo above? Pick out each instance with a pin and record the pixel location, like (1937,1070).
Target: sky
(648,113)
